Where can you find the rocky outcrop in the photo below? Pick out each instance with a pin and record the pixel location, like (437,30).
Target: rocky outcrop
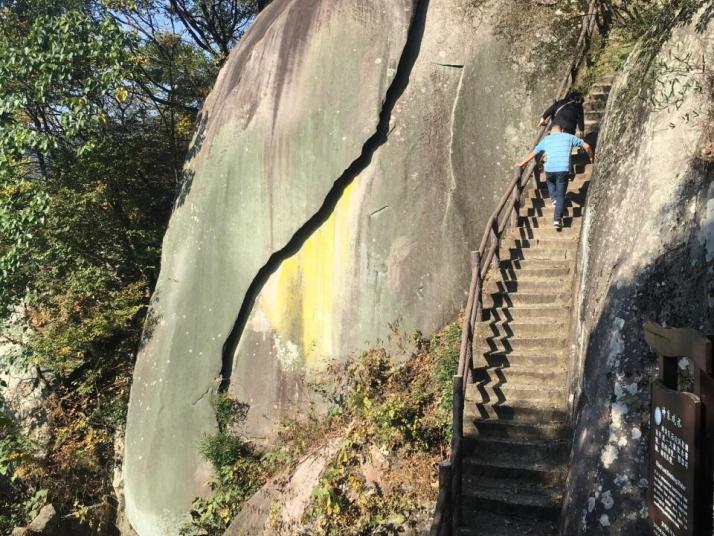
(278,508)
(23,392)
(291,110)
(45,524)
(647,250)
(336,186)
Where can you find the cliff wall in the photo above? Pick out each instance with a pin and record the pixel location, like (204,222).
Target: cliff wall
(646,254)
(348,158)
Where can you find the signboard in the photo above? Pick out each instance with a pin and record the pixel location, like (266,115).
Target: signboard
(675,457)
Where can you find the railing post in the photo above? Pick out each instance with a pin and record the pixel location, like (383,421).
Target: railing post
(457,433)
(514,212)
(476,267)
(476,307)
(457,412)
(445,479)
(494,244)
(534,175)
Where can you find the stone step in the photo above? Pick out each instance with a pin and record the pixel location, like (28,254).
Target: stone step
(542,253)
(567,241)
(508,393)
(528,232)
(525,344)
(541,311)
(548,210)
(522,358)
(534,285)
(592,124)
(533,265)
(596,115)
(528,451)
(575,193)
(514,468)
(523,411)
(502,299)
(557,270)
(510,429)
(596,100)
(493,495)
(491,524)
(532,327)
(555,375)
(574,197)
(596,107)
(539,221)
(535,274)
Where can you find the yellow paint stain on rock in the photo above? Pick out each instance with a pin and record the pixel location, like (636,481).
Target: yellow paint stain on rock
(300,298)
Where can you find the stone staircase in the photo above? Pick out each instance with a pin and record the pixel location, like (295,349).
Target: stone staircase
(517,435)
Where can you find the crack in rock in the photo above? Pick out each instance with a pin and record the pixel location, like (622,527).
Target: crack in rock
(399,84)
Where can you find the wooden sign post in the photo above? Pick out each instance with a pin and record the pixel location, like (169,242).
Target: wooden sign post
(681,459)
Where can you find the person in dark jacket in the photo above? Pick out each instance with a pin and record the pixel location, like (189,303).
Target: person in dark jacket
(567,113)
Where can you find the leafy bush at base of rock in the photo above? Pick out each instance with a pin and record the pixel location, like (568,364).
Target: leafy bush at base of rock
(395,418)
(233,485)
(391,418)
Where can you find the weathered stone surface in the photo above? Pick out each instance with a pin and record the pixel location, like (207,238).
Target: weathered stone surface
(45,524)
(22,396)
(121,523)
(646,254)
(279,506)
(337,185)
(46,520)
(395,250)
(290,111)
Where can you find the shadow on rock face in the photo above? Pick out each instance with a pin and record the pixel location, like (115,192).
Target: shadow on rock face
(610,450)
(187,174)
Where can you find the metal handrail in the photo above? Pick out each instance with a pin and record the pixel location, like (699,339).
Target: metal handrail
(447,514)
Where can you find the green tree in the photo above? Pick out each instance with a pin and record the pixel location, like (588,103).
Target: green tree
(98,103)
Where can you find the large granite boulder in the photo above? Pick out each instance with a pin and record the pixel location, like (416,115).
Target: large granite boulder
(290,111)
(646,254)
(394,251)
(346,162)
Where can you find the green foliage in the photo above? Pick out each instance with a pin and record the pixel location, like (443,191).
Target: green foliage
(396,413)
(230,413)
(447,346)
(54,78)
(639,29)
(15,450)
(394,410)
(238,470)
(233,485)
(222,449)
(98,102)
(14,447)
(540,36)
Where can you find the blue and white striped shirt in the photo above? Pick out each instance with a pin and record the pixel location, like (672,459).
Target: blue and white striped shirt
(558,147)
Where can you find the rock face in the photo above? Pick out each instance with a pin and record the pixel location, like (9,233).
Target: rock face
(336,186)
(23,396)
(277,508)
(646,253)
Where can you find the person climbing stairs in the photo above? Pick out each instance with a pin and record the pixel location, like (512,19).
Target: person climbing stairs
(517,434)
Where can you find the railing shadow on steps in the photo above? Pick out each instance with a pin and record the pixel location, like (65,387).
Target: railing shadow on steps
(446,518)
